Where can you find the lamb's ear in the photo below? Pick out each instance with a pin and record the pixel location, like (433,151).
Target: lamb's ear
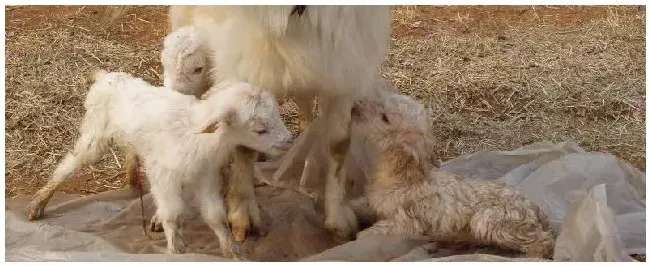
(255,96)
(211,127)
(229,117)
(225,120)
(411,143)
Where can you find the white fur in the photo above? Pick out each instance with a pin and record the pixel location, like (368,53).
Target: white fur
(331,52)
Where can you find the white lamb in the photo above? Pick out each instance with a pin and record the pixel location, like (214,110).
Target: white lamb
(413,197)
(184,142)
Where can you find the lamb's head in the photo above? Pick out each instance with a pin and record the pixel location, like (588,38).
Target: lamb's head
(186,61)
(393,119)
(248,108)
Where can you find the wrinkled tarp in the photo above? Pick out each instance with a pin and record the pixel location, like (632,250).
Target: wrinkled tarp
(596,201)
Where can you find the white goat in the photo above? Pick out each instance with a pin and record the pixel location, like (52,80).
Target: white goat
(332,52)
(413,197)
(184,142)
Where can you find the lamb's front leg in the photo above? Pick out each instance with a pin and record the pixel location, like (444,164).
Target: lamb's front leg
(382,227)
(243,211)
(167,195)
(339,215)
(214,212)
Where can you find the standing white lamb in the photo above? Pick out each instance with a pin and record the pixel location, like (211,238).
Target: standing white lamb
(184,142)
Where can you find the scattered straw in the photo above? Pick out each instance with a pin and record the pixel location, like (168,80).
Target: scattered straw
(496,77)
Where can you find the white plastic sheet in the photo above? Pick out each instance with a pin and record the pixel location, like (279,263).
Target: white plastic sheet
(595,200)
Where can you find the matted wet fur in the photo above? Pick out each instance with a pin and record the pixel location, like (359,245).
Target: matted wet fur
(413,197)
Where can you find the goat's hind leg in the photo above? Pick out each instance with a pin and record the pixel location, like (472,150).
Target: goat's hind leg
(517,233)
(87,150)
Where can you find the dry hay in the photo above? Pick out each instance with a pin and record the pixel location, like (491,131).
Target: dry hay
(48,57)
(501,77)
(496,77)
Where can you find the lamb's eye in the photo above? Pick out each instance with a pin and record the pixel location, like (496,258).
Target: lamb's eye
(384,118)
(198,70)
(261,131)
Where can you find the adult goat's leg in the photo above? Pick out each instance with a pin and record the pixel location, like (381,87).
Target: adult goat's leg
(305,103)
(339,215)
(243,211)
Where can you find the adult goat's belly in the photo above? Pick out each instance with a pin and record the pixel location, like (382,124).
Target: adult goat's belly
(313,54)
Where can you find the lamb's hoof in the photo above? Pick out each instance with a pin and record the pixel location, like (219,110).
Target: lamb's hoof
(539,249)
(239,232)
(177,245)
(156,226)
(366,233)
(343,224)
(35,210)
(275,152)
(231,251)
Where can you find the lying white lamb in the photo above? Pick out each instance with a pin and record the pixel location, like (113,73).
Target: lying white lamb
(411,196)
(184,142)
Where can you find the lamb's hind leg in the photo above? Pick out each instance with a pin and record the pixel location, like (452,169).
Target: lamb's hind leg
(524,234)
(339,215)
(87,150)
(243,211)
(131,162)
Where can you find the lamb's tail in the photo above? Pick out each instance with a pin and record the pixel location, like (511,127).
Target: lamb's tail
(97,74)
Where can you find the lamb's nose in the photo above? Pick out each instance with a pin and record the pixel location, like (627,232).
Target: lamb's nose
(355,110)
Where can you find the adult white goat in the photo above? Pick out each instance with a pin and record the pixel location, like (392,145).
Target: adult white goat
(332,52)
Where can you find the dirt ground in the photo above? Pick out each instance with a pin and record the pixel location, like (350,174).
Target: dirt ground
(496,77)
